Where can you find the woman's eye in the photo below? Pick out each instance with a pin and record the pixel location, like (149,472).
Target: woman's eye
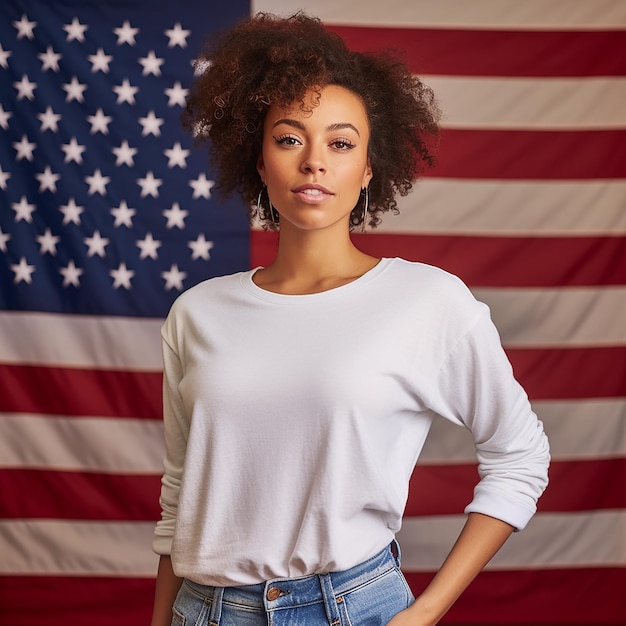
(342,144)
(287,140)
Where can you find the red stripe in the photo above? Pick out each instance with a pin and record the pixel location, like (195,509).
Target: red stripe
(581,596)
(531,154)
(492,261)
(72,391)
(497,52)
(556,373)
(435,490)
(45,494)
(448,489)
(62,600)
(549,374)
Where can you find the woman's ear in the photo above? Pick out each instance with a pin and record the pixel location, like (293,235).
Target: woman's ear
(368,175)
(260,167)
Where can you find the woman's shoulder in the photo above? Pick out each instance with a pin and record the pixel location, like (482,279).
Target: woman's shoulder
(422,276)
(209,290)
(432,294)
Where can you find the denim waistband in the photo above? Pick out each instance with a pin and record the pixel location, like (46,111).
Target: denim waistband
(291,592)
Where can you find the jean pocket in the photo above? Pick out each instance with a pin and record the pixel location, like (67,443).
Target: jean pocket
(376,602)
(409,591)
(178,619)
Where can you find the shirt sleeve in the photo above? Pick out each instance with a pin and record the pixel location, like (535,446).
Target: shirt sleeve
(476,388)
(176,430)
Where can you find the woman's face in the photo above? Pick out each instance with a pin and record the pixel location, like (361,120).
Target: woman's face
(315,164)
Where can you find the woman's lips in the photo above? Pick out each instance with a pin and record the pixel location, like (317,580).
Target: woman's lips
(312,193)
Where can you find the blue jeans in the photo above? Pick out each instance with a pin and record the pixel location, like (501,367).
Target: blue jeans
(369,594)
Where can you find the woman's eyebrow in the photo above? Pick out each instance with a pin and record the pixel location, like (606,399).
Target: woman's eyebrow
(289,122)
(300,126)
(342,126)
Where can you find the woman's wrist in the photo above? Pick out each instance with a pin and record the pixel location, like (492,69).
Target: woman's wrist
(427,611)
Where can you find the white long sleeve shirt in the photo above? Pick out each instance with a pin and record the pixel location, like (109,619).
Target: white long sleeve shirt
(293,422)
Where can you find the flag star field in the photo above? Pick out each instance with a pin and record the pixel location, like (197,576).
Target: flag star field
(107,207)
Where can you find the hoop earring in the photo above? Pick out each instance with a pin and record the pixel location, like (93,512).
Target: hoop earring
(366,192)
(260,208)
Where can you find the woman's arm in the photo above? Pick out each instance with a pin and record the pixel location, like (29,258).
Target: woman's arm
(167,586)
(481,537)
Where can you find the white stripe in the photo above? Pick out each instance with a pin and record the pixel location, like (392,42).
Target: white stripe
(72,548)
(525,318)
(112,446)
(482,207)
(77,341)
(552,318)
(577,430)
(484,14)
(531,103)
(555,540)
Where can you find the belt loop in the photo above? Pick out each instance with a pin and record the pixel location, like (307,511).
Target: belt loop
(330,604)
(216,606)
(396,552)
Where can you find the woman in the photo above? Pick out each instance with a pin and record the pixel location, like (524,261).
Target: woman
(297,397)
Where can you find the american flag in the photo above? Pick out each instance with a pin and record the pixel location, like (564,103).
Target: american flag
(106,214)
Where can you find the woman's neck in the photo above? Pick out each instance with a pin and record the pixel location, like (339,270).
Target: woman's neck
(311,262)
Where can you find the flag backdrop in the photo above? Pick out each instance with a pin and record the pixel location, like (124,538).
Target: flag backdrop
(106,214)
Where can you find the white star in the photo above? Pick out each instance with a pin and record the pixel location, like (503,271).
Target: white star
(125,92)
(175,216)
(25,89)
(71,212)
(23,210)
(73,151)
(47,180)
(174,278)
(148,247)
(48,243)
(177,95)
(99,122)
(202,186)
(4,117)
(151,64)
(4,57)
(71,274)
(126,34)
(23,271)
(75,30)
(123,215)
(176,156)
(96,244)
(121,276)
(74,90)
(200,65)
(97,183)
(49,60)
(4,237)
(151,124)
(25,28)
(149,185)
(49,120)
(200,248)
(124,154)
(24,149)
(177,36)
(100,61)
(4,176)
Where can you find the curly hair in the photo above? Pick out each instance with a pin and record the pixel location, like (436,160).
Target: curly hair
(266,60)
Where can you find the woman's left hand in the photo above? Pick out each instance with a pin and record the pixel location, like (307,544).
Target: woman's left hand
(409,617)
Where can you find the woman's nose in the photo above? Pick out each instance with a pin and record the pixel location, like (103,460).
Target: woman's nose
(313,161)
